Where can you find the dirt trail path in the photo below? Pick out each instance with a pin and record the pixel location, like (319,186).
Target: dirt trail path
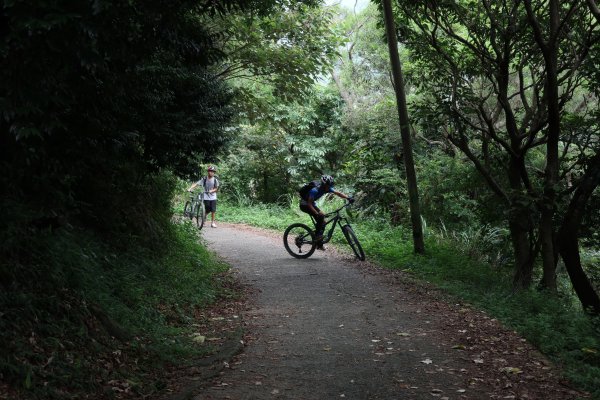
(330,327)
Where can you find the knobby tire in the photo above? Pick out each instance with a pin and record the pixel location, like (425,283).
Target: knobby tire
(200,215)
(302,235)
(353,242)
(187,210)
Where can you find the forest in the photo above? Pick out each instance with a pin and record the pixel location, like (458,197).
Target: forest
(109,109)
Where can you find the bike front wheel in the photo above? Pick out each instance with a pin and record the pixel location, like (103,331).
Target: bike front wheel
(200,215)
(187,210)
(299,241)
(353,242)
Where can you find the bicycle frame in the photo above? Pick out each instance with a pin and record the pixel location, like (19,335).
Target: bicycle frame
(194,207)
(298,235)
(197,198)
(336,219)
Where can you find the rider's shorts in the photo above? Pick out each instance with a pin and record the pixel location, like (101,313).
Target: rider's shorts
(210,205)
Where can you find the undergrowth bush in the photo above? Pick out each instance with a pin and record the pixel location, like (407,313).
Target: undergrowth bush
(78,313)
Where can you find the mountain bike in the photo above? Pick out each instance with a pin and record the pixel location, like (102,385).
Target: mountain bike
(299,239)
(194,208)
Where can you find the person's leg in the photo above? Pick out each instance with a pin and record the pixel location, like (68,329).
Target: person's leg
(213,211)
(320,223)
(319,219)
(210,207)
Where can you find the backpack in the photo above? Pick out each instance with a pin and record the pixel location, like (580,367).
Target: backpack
(303,191)
(205,178)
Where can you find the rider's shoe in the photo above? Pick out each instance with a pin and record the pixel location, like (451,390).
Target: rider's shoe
(213,225)
(321,247)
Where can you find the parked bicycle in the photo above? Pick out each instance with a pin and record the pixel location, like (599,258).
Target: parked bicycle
(194,209)
(299,239)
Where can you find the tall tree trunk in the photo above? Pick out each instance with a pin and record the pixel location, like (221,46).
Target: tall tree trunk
(568,242)
(519,224)
(548,208)
(411,176)
(523,274)
(548,252)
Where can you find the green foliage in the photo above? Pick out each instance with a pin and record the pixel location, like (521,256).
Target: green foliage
(590,261)
(89,115)
(297,142)
(286,49)
(453,195)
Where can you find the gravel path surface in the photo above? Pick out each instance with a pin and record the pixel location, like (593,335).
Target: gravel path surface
(330,327)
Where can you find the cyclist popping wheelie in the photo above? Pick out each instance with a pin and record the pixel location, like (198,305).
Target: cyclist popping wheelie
(312,192)
(301,241)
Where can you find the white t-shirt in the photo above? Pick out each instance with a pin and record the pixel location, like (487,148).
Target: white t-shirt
(210,184)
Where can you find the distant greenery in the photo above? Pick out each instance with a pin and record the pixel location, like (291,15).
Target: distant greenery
(556,326)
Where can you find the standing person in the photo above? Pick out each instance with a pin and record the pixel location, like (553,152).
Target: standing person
(210,183)
(309,194)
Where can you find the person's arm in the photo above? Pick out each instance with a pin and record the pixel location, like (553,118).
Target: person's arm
(343,196)
(192,187)
(340,194)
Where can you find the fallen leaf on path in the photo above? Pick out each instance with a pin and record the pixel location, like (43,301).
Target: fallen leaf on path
(511,370)
(198,338)
(427,361)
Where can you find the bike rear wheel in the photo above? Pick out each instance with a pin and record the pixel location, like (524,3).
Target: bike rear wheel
(353,242)
(200,215)
(299,241)
(187,210)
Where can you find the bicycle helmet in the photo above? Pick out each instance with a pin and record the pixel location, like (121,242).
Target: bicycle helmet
(212,168)
(327,180)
